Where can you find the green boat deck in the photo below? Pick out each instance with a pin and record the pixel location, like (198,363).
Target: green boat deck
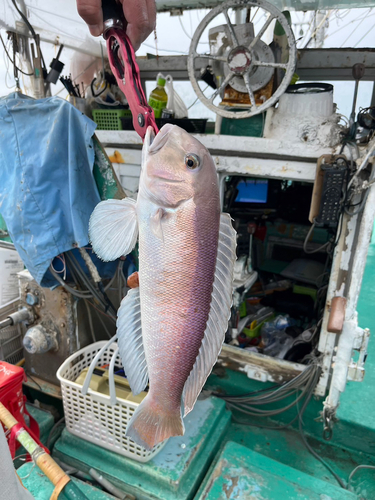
(221,459)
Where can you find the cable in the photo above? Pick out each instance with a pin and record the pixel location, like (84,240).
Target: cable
(354,471)
(320,25)
(73,264)
(11,60)
(75,293)
(180,52)
(364,36)
(118,270)
(57,424)
(101,91)
(32,31)
(103,300)
(319,249)
(318,457)
(355,29)
(34,381)
(191,105)
(312,374)
(90,321)
(101,320)
(183,28)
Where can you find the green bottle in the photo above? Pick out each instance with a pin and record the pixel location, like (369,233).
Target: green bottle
(158,98)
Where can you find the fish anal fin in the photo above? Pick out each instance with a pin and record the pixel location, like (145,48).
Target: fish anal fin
(218,316)
(129,341)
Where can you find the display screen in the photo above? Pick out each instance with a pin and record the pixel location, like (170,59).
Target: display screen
(252,191)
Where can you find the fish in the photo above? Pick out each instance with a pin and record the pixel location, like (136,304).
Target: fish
(170,328)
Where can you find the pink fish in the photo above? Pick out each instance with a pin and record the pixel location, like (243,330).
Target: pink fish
(170,330)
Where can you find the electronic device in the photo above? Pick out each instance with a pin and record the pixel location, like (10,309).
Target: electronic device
(305,270)
(332,193)
(252,191)
(253,195)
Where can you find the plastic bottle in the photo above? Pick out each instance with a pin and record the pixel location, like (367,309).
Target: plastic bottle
(158,98)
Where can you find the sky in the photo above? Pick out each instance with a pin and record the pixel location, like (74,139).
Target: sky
(344,28)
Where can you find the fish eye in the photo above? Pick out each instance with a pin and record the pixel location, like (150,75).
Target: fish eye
(192,161)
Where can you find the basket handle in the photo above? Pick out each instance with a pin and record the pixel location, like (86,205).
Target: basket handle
(93,363)
(97,396)
(111,376)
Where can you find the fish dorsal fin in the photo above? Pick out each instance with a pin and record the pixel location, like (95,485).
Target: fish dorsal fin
(113,228)
(129,341)
(219,314)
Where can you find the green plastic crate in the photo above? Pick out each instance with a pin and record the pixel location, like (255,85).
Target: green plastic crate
(109,119)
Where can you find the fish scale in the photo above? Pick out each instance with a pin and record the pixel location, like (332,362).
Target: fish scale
(176,286)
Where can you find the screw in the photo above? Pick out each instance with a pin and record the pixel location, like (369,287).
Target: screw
(141,120)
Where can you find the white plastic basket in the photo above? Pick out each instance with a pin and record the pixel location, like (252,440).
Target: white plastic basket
(94,416)
(11,348)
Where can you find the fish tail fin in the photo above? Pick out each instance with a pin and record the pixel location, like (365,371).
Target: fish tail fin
(151,424)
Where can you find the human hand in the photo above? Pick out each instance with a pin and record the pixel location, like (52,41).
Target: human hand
(140,15)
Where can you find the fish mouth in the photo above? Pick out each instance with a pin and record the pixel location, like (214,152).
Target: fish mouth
(149,139)
(161,139)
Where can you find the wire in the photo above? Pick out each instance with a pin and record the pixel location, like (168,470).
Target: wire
(355,29)
(34,381)
(354,471)
(320,25)
(32,31)
(100,311)
(90,321)
(359,18)
(73,264)
(318,457)
(100,294)
(364,36)
(94,94)
(57,424)
(191,105)
(183,28)
(74,292)
(11,60)
(180,52)
(118,270)
(319,249)
(250,403)
(63,270)
(103,324)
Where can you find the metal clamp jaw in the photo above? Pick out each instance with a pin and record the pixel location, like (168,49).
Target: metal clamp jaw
(125,68)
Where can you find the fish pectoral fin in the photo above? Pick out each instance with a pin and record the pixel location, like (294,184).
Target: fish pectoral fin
(130,343)
(219,314)
(156,223)
(113,228)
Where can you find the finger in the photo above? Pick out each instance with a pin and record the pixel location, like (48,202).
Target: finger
(140,24)
(91,12)
(133,280)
